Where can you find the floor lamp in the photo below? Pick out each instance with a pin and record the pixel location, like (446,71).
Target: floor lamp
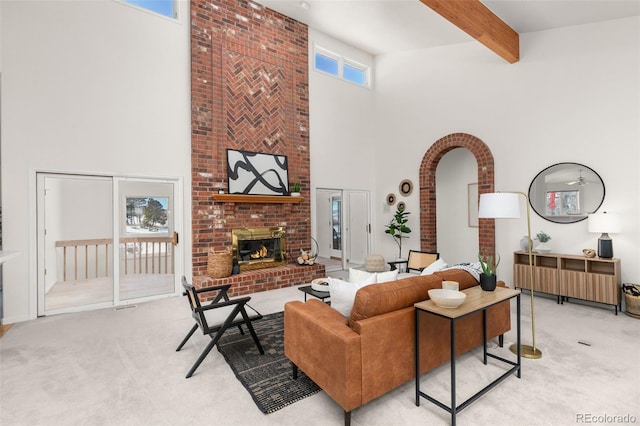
(505,205)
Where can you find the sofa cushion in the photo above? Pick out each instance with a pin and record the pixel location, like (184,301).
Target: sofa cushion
(385,277)
(343,292)
(434,267)
(357,275)
(379,299)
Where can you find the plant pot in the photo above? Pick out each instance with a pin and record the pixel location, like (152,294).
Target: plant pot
(543,248)
(488,282)
(295,194)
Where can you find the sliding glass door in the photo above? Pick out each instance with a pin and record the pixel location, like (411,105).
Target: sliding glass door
(79,218)
(147,237)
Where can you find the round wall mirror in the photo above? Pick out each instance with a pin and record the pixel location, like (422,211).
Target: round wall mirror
(566,192)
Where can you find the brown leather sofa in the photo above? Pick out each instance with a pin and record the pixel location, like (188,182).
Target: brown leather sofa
(359,358)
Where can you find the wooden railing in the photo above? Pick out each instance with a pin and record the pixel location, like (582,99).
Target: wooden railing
(84,259)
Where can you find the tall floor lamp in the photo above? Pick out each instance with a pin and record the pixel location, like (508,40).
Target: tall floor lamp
(505,205)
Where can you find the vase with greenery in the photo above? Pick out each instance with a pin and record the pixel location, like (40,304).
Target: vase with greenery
(398,228)
(488,279)
(543,238)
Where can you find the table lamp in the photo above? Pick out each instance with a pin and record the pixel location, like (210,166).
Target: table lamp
(604,223)
(506,205)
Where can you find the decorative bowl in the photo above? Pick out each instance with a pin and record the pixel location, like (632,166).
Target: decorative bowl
(447,298)
(320,284)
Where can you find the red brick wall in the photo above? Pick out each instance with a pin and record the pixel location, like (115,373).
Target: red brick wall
(249,88)
(484,158)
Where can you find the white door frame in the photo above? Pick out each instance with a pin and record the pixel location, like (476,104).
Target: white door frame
(37,213)
(345,195)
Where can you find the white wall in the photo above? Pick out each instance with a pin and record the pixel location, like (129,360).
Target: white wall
(87,86)
(341,114)
(573,96)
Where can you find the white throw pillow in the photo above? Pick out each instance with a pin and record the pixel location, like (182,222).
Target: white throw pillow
(356,275)
(436,266)
(343,293)
(383,277)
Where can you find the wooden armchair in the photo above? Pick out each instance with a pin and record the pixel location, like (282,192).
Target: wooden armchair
(217,316)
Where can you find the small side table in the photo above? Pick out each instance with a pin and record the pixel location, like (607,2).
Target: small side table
(396,264)
(477,300)
(322,295)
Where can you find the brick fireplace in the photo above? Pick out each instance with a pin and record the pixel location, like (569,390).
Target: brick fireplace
(249,88)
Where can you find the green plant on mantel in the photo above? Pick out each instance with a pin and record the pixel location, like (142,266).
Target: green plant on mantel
(296,187)
(488,265)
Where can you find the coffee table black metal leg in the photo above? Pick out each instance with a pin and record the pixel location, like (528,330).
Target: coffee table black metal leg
(453,372)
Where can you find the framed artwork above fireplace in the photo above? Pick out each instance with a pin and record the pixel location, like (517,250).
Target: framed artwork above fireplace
(254,173)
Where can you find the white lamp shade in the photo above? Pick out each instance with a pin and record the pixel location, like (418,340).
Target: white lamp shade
(499,205)
(604,223)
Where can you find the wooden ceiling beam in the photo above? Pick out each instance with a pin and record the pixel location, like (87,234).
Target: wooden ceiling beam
(475,19)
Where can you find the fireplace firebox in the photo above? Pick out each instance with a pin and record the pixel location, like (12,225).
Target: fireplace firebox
(257,248)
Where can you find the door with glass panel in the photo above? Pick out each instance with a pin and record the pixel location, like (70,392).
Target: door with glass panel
(75,242)
(147,239)
(80,217)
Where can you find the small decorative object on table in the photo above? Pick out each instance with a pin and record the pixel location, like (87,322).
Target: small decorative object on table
(590,253)
(543,247)
(524,244)
(447,298)
(488,279)
(320,284)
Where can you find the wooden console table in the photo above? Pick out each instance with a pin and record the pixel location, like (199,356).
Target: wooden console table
(569,276)
(477,300)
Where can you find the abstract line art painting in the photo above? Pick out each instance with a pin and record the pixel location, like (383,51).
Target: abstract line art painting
(254,173)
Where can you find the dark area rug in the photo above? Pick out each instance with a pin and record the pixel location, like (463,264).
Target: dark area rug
(268,378)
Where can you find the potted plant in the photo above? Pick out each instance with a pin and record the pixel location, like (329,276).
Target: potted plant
(488,277)
(398,228)
(295,192)
(543,238)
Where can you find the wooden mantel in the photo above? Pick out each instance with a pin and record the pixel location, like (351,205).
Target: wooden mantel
(264,199)
(475,19)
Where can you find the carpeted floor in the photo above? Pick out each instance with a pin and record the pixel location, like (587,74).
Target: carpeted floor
(268,377)
(120,367)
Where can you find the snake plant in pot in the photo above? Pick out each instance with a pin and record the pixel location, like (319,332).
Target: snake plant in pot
(488,277)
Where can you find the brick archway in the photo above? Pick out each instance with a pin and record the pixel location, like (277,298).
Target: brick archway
(484,158)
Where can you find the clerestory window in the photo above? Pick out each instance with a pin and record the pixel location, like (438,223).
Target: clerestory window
(341,67)
(168,8)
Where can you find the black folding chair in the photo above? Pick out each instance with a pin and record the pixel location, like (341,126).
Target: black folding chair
(217,316)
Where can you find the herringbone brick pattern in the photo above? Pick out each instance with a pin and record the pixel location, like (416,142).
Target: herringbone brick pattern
(254,101)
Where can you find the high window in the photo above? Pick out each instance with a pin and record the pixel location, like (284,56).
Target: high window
(341,67)
(166,8)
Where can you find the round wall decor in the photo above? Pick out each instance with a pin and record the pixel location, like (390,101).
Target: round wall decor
(406,187)
(391,199)
(402,205)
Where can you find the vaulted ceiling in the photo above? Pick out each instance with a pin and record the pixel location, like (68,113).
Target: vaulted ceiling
(382,26)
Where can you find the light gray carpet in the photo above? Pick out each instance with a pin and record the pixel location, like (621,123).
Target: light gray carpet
(119,367)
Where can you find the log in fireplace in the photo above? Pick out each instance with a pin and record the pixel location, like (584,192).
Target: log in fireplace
(257,248)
